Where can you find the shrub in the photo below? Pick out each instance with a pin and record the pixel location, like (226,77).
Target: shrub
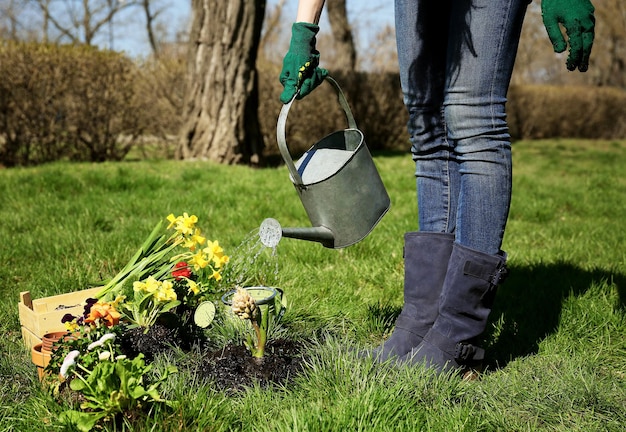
(543,111)
(71,102)
(79,103)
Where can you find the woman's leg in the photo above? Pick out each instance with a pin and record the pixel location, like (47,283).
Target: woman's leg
(421,28)
(483,42)
(422,39)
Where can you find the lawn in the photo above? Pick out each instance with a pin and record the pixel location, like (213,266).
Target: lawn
(556,341)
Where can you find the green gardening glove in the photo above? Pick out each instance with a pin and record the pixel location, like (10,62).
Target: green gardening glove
(300,65)
(579,22)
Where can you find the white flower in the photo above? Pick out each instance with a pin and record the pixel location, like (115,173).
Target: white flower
(100,342)
(244,305)
(104,355)
(68,361)
(120,357)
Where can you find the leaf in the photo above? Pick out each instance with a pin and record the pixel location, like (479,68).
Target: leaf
(77,384)
(84,421)
(166,307)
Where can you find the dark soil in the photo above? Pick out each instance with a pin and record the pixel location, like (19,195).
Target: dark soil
(233,368)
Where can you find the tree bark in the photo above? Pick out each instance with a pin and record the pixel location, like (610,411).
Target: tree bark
(342,34)
(220,111)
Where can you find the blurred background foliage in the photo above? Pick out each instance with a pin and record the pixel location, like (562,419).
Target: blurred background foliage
(67,94)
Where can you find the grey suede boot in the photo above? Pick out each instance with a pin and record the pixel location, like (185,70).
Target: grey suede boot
(425,262)
(466,300)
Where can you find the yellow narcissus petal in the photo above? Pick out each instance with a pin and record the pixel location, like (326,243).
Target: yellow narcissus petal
(189,243)
(192,286)
(219,261)
(172,220)
(188,223)
(199,261)
(198,238)
(214,248)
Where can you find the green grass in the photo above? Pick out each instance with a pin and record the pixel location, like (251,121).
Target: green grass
(556,341)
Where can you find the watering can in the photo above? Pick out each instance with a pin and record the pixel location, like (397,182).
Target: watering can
(338,184)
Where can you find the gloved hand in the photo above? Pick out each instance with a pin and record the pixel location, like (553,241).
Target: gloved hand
(579,22)
(300,65)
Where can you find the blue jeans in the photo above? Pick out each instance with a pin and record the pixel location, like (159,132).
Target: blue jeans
(456,58)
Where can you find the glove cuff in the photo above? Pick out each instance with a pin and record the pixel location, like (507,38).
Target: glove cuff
(303,38)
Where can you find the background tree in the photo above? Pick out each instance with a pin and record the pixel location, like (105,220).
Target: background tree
(345,50)
(80,22)
(220,111)
(609,51)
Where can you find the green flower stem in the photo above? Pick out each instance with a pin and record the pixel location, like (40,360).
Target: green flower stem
(261,335)
(150,258)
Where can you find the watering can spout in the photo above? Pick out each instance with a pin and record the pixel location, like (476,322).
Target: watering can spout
(271,232)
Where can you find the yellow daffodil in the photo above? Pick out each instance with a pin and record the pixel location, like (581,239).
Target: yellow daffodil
(172,220)
(198,238)
(216,275)
(189,243)
(213,248)
(219,261)
(193,287)
(199,261)
(184,224)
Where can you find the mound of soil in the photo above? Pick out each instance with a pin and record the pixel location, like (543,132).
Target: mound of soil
(229,369)
(233,368)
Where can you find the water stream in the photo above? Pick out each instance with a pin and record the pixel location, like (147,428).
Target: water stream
(255,261)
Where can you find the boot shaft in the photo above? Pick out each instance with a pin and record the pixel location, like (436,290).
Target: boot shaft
(468,293)
(426,257)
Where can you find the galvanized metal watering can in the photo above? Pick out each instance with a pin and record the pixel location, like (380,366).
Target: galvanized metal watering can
(338,185)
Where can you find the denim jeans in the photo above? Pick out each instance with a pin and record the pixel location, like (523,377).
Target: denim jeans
(456,58)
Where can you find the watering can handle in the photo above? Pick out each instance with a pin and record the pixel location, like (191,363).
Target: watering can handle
(282,120)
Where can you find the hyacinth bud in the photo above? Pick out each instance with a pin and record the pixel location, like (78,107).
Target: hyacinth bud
(244,305)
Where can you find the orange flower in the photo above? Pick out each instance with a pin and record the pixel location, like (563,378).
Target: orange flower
(104,311)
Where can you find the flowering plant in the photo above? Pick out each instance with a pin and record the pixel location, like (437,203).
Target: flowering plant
(178,268)
(95,314)
(245,307)
(94,364)
(151,298)
(98,319)
(183,268)
(109,382)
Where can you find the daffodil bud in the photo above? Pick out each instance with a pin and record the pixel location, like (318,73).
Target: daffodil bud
(244,305)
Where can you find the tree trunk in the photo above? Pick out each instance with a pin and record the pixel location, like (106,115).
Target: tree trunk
(342,34)
(220,111)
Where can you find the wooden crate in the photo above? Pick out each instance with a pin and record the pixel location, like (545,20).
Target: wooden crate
(41,316)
